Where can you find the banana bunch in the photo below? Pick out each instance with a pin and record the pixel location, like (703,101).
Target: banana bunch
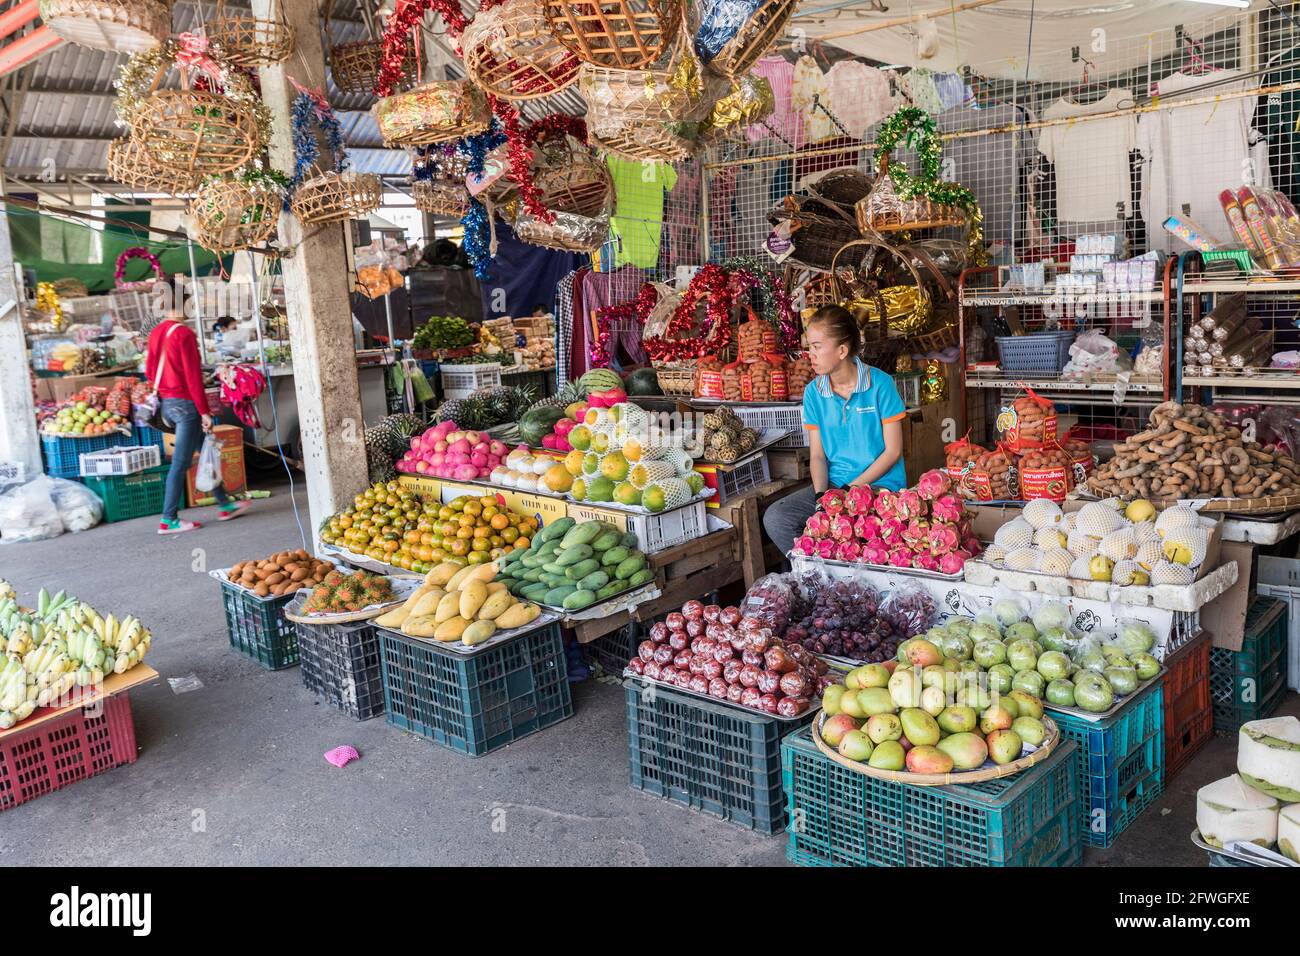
(19,633)
(124,642)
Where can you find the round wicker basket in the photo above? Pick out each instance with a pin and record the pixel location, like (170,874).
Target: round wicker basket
(509,51)
(883,288)
(883,210)
(354,67)
(624,34)
(438,183)
(196,132)
(251,41)
(230,215)
(432,113)
(645,141)
(753,40)
(119,26)
(568,233)
(570,178)
(331,196)
(131,166)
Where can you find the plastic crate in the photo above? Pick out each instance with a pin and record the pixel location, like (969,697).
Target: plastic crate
(148,435)
(63,455)
(1280,578)
(614,650)
(1121,762)
(1249,684)
(131,496)
(1039,352)
(786,417)
(1189,719)
(721,759)
(839,817)
(127,460)
(476,703)
(258,628)
(743,478)
(462,381)
(654,532)
(64,750)
(340,662)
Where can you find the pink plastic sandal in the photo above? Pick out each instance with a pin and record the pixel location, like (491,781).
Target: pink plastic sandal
(166,527)
(238,509)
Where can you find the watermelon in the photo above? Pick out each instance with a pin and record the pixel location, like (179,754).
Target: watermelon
(643,381)
(599,380)
(537,423)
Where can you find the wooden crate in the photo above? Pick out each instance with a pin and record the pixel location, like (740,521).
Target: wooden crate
(757,555)
(789,463)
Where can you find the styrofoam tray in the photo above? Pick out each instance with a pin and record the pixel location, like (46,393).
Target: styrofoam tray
(498,637)
(1114,708)
(340,555)
(642,681)
(910,572)
(1170,597)
(1260,529)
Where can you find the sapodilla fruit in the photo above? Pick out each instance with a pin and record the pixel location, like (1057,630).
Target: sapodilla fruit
(1041,512)
(1016,533)
(1023,559)
(1119,545)
(1167,572)
(1056,562)
(1097,520)
(1049,537)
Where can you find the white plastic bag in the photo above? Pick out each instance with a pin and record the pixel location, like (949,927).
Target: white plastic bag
(28,512)
(79,508)
(1093,353)
(209,468)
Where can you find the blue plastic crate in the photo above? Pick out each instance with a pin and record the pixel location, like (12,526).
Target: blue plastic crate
(476,703)
(719,758)
(839,817)
(148,435)
(1249,684)
(1121,763)
(1037,352)
(63,455)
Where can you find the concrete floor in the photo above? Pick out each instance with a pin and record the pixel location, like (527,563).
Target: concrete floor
(233,773)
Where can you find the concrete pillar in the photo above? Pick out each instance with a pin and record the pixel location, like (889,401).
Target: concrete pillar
(317,285)
(18,438)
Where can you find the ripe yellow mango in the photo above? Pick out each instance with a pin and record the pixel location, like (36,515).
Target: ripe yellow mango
(420,626)
(472,595)
(478,632)
(451,629)
(518,615)
(495,605)
(448,606)
(443,573)
(427,603)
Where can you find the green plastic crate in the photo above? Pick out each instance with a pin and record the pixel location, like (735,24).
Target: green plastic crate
(131,496)
(1249,684)
(614,650)
(839,817)
(258,628)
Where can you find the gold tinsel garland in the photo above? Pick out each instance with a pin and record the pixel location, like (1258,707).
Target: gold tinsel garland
(47,301)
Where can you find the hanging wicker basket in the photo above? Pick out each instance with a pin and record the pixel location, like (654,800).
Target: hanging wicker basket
(883,210)
(119,26)
(334,197)
(435,112)
(354,67)
(568,233)
(653,142)
(883,289)
(131,166)
(438,184)
(752,41)
(197,132)
(510,52)
(230,215)
(623,34)
(250,41)
(570,178)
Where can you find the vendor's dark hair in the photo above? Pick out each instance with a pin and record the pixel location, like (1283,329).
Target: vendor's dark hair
(224,321)
(839,325)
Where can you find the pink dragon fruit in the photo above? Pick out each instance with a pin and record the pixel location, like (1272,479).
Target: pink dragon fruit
(832,502)
(805,545)
(841,527)
(848,551)
(933,484)
(952,563)
(915,534)
(866,527)
(900,558)
(891,530)
(947,508)
(925,561)
(971,545)
(943,538)
(909,505)
(875,551)
(826,549)
(818,525)
(886,504)
(860,500)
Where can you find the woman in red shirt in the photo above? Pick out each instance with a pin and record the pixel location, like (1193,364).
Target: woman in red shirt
(174,367)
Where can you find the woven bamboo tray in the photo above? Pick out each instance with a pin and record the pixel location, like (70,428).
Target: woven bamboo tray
(436,112)
(335,197)
(754,39)
(992,772)
(130,166)
(440,197)
(677,378)
(119,26)
(883,210)
(250,41)
(509,51)
(649,141)
(624,34)
(230,215)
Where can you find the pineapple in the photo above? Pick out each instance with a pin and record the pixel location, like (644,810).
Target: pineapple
(648,472)
(452,410)
(568,393)
(666,494)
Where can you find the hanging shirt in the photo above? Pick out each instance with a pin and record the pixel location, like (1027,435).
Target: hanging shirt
(952,90)
(640,189)
(600,290)
(990,166)
(853,430)
(860,95)
(810,87)
(1192,153)
(1091,157)
(783,120)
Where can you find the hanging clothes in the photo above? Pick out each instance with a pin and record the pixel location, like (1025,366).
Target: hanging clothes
(639,189)
(784,120)
(579,358)
(860,96)
(1093,178)
(952,90)
(563,324)
(523,276)
(600,290)
(809,88)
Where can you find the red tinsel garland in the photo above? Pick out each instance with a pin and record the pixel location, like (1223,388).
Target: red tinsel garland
(397,36)
(520,158)
(556,123)
(716,285)
(639,309)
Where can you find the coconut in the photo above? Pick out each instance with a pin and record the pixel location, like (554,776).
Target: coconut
(1016,533)
(1041,513)
(1288,832)
(1268,757)
(1228,811)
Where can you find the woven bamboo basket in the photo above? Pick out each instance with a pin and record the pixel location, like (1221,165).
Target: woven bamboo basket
(331,196)
(436,112)
(354,66)
(509,51)
(230,215)
(645,141)
(883,210)
(884,290)
(570,178)
(131,166)
(69,288)
(568,233)
(623,34)
(119,26)
(251,41)
(753,40)
(677,378)
(442,191)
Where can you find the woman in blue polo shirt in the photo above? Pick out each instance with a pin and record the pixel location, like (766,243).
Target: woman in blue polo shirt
(854,417)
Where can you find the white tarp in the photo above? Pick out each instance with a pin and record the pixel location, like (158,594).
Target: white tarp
(993,40)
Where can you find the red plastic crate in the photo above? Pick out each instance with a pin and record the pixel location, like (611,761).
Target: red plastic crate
(62,751)
(1189,716)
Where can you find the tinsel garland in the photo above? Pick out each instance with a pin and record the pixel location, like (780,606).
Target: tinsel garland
(135,252)
(47,301)
(637,310)
(776,307)
(556,123)
(397,36)
(477,240)
(719,287)
(309,111)
(521,158)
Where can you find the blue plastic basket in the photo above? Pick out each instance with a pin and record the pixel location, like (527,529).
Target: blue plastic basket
(63,455)
(839,817)
(1046,352)
(1121,763)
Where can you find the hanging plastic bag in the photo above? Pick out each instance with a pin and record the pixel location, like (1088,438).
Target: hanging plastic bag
(209,467)
(910,609)
(79,508)
(28,513)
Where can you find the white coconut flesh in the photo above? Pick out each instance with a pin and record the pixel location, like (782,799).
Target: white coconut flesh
(1268,757)
(1228,811)
(1288,832)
